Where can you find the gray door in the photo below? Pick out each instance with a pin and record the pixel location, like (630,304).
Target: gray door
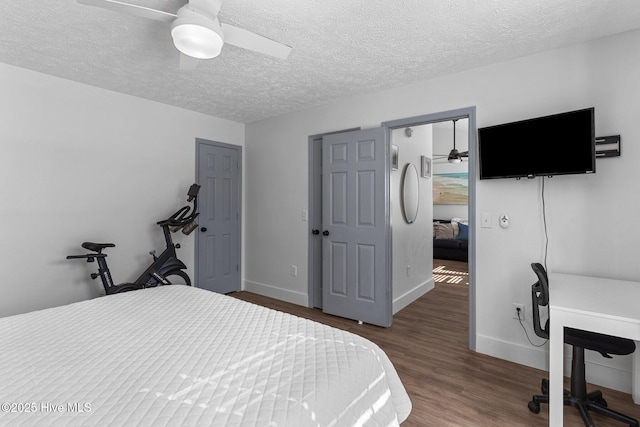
(218,238)
(315,208)
(356,282)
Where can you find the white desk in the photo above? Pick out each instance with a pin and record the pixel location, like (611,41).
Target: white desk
(606,306)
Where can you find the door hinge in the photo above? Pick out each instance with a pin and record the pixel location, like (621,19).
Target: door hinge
(237,267)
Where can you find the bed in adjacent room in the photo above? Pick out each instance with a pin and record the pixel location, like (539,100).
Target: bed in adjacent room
(177,355)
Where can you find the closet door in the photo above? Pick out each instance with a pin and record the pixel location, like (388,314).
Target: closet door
(355,255)
(218,236)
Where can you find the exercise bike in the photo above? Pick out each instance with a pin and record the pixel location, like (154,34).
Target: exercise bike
(166,268)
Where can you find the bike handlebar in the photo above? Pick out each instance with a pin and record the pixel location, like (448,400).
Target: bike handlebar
(180,217)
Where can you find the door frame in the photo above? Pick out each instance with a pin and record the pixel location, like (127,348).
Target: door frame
(470,114)
(238,148)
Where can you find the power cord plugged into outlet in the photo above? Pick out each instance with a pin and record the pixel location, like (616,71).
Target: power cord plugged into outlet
(519,311)
(520,317)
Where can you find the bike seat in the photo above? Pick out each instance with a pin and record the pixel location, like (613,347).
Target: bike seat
(97,247)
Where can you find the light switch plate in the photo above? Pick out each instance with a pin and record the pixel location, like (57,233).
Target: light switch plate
(485,220)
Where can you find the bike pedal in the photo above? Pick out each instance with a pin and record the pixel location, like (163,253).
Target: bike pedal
(94,276)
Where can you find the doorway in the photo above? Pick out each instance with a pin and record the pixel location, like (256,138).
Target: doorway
(315,204)
(468,113)
(450,198)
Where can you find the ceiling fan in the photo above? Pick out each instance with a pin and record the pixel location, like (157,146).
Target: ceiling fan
(454,155)
(196,31)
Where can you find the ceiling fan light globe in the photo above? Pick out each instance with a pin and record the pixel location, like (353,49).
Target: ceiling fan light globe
(197,41)
(454,156)
(196,34)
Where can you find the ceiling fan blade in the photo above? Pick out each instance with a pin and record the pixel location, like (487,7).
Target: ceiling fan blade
(464,154)
(188,63)
(247,40)
(131,9)
(209,8)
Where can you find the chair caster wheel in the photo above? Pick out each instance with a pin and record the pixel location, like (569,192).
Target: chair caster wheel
(534,407)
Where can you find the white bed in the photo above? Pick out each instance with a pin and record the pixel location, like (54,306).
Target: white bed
(182,356)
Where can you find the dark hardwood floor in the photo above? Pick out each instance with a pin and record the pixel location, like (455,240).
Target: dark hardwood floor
(450,385)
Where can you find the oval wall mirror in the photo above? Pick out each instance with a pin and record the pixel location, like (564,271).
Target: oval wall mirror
(410,193)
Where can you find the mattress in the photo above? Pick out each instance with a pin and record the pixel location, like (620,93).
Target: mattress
(183,356)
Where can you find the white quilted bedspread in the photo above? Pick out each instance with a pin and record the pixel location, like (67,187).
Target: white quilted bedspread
(182,356)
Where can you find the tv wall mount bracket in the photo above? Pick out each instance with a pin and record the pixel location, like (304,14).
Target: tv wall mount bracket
(608,146)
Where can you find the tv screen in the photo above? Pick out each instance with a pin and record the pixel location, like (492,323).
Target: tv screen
(558,144)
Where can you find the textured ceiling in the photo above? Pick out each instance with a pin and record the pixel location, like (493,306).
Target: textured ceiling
(340,48)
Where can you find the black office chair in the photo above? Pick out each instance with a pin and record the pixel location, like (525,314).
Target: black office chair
(580,340)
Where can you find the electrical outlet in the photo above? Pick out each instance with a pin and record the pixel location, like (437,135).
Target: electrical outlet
(294,270)
(517,306)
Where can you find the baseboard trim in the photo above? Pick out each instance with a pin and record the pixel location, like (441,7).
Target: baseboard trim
(518,353)
(408,297)
(293,297)
(300,298)
(616,376)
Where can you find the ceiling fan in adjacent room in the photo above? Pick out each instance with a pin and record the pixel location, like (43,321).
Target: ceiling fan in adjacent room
(454,155)
(196,31)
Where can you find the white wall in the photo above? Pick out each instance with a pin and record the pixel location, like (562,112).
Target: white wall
(591,218)
(412,243)
(81,164)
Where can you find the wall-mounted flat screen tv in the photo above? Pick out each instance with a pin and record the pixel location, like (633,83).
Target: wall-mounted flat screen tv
(558,144)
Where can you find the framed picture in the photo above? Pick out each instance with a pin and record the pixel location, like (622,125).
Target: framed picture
(425,171)
(451,188)
(394,157)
